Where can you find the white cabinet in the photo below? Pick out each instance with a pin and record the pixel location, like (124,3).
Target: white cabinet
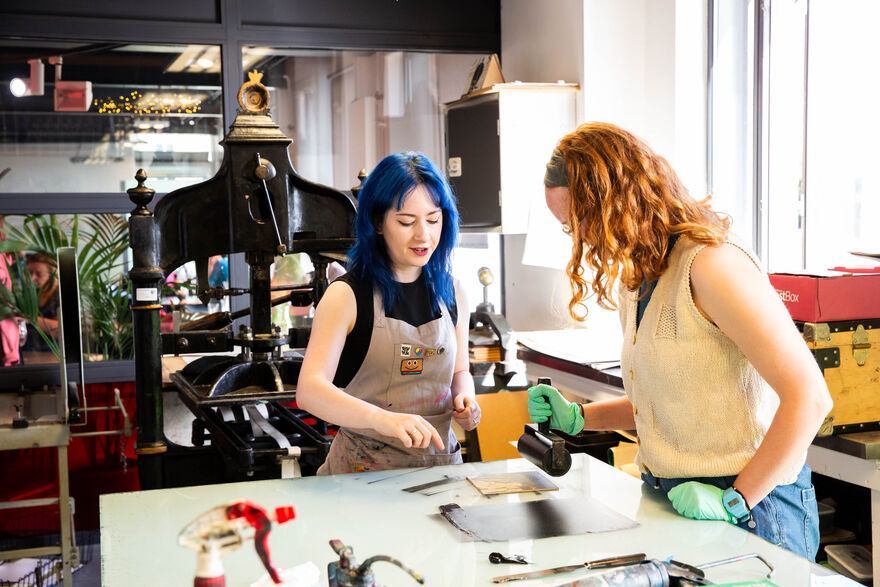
(497,144)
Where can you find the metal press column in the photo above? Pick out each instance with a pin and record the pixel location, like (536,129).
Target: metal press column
(146,288)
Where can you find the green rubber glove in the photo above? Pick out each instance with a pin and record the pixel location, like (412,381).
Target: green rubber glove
(546,402)
(700,501)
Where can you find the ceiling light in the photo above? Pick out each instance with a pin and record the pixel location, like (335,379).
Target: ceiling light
(196,59)
(18,87)
(31,86)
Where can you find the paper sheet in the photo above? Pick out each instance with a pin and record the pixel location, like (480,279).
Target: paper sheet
(521,482)
(832,581)
(578,345)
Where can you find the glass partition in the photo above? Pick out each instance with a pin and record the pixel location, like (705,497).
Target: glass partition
(30,293)
(78,117)
(346,110)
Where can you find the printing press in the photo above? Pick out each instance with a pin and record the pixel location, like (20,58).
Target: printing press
(256,204)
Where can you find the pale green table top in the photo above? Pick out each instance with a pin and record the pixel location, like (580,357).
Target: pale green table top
(370,513)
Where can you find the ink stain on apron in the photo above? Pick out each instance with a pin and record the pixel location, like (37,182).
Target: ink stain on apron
(408,369)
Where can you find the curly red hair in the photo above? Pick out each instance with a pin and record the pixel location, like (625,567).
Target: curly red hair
(625,203)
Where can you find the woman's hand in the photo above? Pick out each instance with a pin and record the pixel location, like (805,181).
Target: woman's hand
(466,412)
(48,325)
(545,402)
(411,429)
(699,501)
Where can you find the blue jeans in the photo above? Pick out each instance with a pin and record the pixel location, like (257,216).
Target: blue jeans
(787,517)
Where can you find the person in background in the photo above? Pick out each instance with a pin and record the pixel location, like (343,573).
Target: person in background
(42,272)
(218,271)
(388,358)
(720,386)
(289,270)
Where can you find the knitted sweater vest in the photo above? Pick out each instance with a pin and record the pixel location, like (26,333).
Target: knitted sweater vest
(701,408)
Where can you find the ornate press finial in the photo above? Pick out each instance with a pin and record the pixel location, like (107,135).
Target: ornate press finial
(253,97)
(356,190)
(141,195)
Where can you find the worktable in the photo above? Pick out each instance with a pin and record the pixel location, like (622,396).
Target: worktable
(370,513)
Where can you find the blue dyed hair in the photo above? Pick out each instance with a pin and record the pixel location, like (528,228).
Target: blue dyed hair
(389,184)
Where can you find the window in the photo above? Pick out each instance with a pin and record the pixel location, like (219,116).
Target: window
(90,115)
(843,122)
(786,135)
(731,163)
(800,161)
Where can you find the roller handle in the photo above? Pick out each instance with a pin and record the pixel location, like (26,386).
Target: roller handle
(544,427)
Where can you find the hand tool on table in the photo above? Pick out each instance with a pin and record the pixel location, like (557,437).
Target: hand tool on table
(514,559)
(603,563)
(347,573)
(657,573)
(433,484)
(543,448)
(222,529)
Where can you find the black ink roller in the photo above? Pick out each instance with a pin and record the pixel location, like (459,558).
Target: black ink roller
(544,448)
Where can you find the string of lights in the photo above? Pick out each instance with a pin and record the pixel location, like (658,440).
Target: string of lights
(151,104)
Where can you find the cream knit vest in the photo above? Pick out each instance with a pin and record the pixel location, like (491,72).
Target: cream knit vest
(701,409)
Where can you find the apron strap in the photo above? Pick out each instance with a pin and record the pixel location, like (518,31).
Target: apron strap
(378,310)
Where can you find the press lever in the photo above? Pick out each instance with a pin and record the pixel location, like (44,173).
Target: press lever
(264,171)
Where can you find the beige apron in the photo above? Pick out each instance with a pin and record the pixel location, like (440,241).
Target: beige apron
(407,369)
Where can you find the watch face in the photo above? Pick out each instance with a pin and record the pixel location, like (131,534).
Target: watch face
(735,504)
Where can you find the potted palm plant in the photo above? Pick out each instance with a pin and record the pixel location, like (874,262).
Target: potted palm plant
(101,241)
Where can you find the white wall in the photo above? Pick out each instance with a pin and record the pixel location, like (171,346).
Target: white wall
(641,64)
(645,70)
(542,41)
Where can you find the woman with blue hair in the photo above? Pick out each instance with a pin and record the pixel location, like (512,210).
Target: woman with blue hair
(387,360)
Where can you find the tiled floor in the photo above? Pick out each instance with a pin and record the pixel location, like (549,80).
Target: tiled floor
(89,575)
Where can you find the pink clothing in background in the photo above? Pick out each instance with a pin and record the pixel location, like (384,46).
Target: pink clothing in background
(9,333)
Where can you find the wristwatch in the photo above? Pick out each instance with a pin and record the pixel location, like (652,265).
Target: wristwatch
(735,504)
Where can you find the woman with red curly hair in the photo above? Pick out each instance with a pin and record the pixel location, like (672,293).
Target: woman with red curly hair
(720,386)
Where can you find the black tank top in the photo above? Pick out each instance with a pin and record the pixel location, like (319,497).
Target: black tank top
(413,307)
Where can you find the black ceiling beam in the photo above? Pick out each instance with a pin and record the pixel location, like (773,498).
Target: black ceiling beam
(470,26)
(64,28)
